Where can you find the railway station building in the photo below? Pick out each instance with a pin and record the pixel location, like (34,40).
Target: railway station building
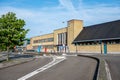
(99,38)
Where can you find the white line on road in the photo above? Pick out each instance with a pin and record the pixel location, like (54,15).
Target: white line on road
(107,71)
(69,54)
(55,61)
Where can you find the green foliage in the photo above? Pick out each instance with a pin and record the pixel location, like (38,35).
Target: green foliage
(12,31)
(2,47)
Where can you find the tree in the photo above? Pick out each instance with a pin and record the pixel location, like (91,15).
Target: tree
(12,31)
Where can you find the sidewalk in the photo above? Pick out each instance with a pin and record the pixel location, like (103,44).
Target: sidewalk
(15,62)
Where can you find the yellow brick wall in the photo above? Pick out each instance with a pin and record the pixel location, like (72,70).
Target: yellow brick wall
(70,38)
(113,48)
(89,48)
(42,37)
(43,43)
(74,28)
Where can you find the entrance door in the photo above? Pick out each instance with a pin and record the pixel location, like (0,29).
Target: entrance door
(105,48)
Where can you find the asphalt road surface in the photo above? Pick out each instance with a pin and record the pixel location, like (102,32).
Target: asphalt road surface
(114,66)
(14,72)
(73,68)
(113,61)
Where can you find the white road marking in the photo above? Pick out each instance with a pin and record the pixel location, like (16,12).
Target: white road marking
(42,56)
(55,61)
(69,54)
(72,55)
(107,71)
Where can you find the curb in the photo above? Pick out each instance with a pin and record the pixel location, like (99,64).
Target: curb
(102,71)
(97,66)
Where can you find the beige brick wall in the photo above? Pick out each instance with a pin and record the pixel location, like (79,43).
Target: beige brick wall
(42,37)
(89,48)
(113,48)
(74,28)
(42,43)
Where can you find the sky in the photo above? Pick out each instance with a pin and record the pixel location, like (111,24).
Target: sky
(44,16)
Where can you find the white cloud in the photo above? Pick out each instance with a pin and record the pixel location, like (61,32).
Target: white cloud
(91,14)
(47,19)
(67,4)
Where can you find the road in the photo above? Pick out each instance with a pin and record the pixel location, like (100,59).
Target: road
(114,66)
(14,72)
(113,61)
(72,68)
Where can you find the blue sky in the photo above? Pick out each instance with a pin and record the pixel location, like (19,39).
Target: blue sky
(44,16)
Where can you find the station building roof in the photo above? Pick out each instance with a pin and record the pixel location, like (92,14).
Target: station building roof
(99,32)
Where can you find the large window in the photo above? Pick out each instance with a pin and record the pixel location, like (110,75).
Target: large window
(59,38)
(50,39)
(35,41)
(62,38)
